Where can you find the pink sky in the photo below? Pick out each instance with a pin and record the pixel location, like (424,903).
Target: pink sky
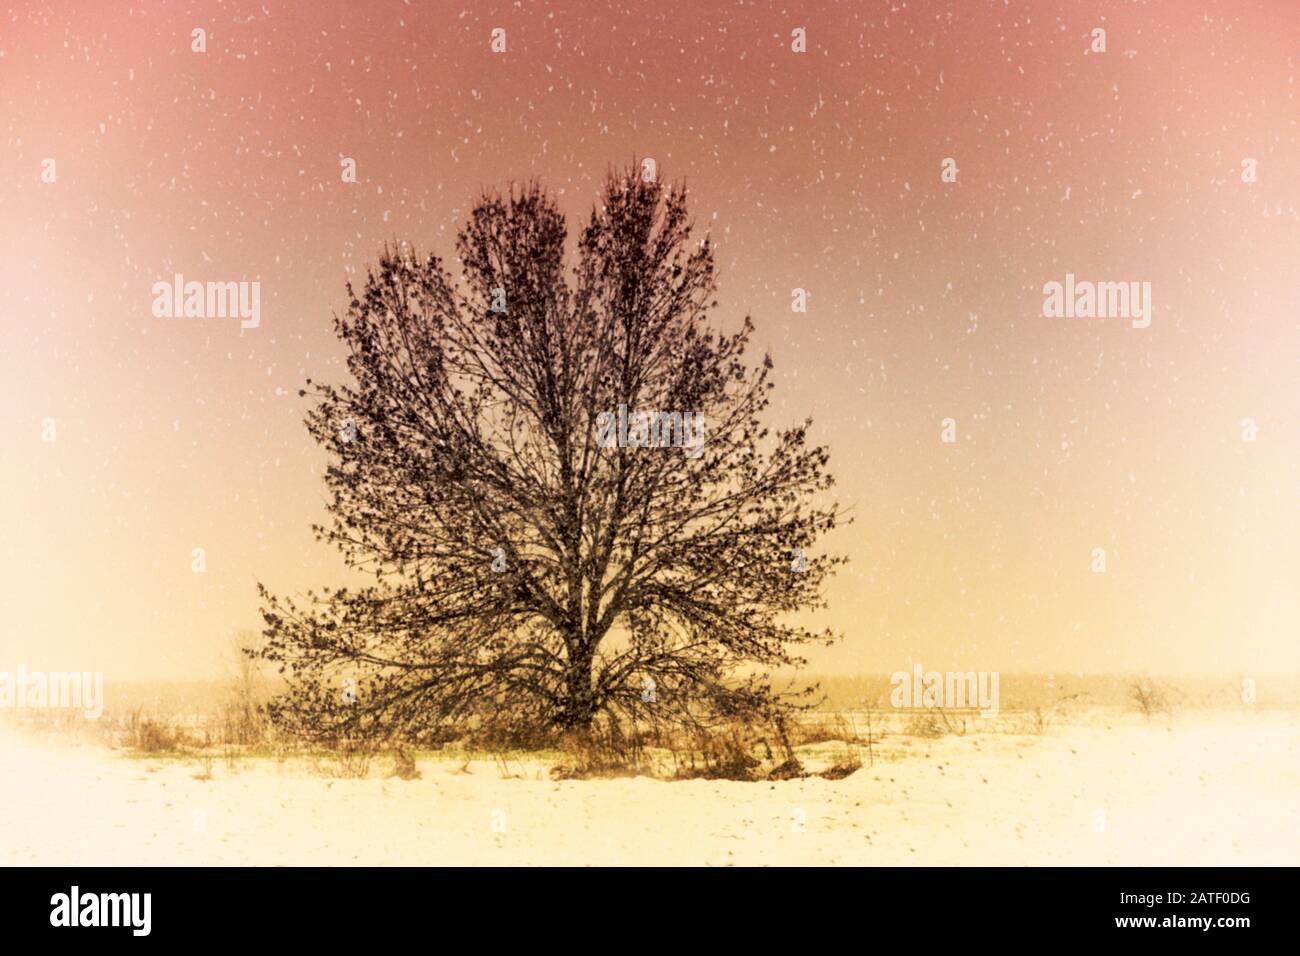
(818,171)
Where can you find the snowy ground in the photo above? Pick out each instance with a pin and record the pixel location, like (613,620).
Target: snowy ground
(1199,788)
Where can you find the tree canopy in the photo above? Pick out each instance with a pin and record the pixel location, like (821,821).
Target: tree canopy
(561,482)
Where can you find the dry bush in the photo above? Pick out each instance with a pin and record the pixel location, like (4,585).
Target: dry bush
(935,722)
(838,728)
(232,728)
(926,723)
(404,767)
(240,718)
(1036,721)
(816,730)
(719,751)
(497,737)
(151,735)
(607,748)
(726,750)
(849,761)
(1040,718)
(241,724)
(232,761)
(723,755)
(743,746)
(1149,697)
(504,770)
(354,759)
(871,736)
(351,759)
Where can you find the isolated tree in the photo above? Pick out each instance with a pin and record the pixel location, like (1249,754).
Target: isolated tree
(531,562)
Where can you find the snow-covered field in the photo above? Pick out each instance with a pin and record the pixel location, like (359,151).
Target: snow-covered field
(1203,787)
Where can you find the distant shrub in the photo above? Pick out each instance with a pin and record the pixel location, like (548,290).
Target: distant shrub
(152,735)
(934,722)
(1149,697)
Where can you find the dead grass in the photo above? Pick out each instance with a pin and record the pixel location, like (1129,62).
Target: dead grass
(935,722)
(234,731)
(404,767)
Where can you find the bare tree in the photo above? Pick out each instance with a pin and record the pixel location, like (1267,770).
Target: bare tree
(543,552)
(241,719)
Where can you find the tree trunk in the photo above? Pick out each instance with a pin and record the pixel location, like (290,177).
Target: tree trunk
(580,700)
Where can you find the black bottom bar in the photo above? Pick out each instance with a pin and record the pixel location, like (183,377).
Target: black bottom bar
(365,906)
